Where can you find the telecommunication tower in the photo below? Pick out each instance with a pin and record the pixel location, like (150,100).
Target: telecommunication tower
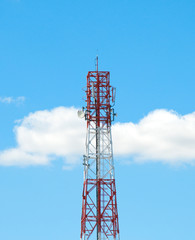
(99,218)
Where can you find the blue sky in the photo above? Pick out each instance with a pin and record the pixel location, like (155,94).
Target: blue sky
(46,50)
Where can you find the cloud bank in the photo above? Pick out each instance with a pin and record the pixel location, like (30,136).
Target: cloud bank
(162,135)
(44,136)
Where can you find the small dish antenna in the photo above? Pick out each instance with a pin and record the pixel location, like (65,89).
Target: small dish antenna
(81,114)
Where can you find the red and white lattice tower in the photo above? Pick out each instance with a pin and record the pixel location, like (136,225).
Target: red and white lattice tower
(99,218)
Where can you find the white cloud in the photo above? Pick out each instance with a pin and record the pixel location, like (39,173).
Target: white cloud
(18,157)
(161,136)
(45,136)
(8,100)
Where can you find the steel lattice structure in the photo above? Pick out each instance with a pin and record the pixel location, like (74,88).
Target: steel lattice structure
(99,218)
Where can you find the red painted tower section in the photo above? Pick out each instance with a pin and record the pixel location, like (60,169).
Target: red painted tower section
(99,218)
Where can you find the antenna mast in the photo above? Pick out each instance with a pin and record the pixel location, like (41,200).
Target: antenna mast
(97,63)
